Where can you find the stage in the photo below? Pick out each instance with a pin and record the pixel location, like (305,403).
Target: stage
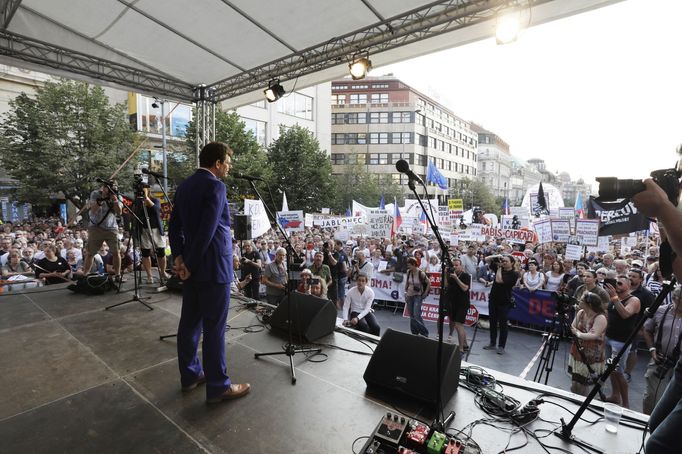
(77,378)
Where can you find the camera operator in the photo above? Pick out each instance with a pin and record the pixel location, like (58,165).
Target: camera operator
(251,266)
(104,207)
(153,205)
(360,265)
(662,335)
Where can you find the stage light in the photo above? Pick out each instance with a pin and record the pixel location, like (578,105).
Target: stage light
(274,91)
(507,28)
(155,105)
(359,67)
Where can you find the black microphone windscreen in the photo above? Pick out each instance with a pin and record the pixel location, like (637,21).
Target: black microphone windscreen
(402,166)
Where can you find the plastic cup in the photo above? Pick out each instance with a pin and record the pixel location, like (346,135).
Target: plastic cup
(612,415)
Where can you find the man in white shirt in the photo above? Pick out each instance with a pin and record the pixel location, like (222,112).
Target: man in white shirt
(357,308)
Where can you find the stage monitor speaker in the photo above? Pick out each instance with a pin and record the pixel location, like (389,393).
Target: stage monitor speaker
(406,363)
(242,227)
(312,317)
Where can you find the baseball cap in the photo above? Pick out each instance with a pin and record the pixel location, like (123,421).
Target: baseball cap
(637,263)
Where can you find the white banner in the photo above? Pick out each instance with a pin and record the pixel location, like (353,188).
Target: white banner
(386,289)
(380,223)
(573,252)
(259,217)
(340,221)
(513,236)
(561,230)
(587,231)
(544,230)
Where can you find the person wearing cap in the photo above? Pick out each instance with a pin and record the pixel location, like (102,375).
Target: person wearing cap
(646,299)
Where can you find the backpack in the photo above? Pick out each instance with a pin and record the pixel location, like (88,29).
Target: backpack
(93,284)
(422,278)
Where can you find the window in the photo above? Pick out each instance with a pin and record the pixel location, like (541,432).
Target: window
(378,117)
(379,85)
(260,104)
(396,137)
(421,140)
(358,98)
(297,105)
(257,128)
(362,138)
(422,161)
(338,99)
(399,178)
(338,119)
(359,158)
(395,157)
(340,87)
(373,159)
(338,158)
(338,139)
(431,142)
(419,119)
(379,98)
(359,87)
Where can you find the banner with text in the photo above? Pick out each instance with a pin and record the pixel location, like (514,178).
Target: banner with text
(616,217)
(260,223)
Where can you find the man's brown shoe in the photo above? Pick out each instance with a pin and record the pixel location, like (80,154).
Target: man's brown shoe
(235,391)
(199,381)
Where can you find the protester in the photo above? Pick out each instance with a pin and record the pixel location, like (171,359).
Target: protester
(52,269)
(500,300)
(275,278)
(532,279)
(417,286)
(588,328)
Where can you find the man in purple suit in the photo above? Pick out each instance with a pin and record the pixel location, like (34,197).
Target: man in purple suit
(201,242)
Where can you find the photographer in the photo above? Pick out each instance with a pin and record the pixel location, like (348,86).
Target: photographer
(251,265)
(361,266)
(104,207)
(150,232)
(662,336)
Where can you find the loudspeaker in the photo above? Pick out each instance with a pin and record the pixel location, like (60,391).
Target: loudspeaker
(312,317)
(406,363)
(242,227)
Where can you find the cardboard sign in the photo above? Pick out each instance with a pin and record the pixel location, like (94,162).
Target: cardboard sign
(544,230)
(379,223)
(587,231)
(561,230)
(513,236)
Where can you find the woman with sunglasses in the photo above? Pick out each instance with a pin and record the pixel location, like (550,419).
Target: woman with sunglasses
(588,328)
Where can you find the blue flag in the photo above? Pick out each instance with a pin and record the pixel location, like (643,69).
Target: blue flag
(348,212)
(434,176)
(382,204)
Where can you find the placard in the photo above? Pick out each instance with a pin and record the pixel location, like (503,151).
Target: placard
(587,231)
(511,235)
(260,223)
(544,230)
(573,252)
(561,230)
(379,223)
(292,221)
(339,221)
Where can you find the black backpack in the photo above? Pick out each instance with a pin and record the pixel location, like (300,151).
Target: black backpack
(93,284)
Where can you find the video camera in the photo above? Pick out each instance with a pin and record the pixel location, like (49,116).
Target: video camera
(564,301)
(611,188)
(666,363)
(139,184)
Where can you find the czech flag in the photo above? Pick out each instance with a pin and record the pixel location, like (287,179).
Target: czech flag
(397,219)
(422,220)
(505,206)
(579,210)
(382,204)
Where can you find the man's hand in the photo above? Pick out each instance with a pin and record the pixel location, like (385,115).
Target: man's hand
(612,291)
(354,321)
(181,269)
(653,200)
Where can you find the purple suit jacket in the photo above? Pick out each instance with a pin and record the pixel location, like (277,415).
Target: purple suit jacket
(199,228)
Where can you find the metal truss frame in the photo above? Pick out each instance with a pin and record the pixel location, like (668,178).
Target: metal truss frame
(205,102)
(434,19)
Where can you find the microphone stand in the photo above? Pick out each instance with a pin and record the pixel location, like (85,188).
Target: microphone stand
(439,423)
(566,432)
(162,273)
(289,348)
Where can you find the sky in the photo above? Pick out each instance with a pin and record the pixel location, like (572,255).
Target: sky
(595,94)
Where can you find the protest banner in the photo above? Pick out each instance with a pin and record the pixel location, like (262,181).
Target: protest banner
(617,217)
(573,252)
(587,231)
(513,236)
(292,221)
(339,221)
(561,229)
(260,223)
(386,289)
(379,223)
(543,228)
(444,219)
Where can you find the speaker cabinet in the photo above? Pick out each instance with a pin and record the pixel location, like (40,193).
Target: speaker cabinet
(242,227)
(312,317)
(406,363)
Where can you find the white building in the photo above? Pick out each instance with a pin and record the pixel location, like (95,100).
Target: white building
(494,162)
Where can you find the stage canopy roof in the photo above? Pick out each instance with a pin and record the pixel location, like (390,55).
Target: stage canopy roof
(167,48)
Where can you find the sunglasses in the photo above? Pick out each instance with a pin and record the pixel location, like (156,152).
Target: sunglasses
(620,283)
(599,272)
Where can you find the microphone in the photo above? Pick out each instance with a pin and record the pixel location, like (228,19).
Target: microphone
(154,174)
(246,177)
(403,167)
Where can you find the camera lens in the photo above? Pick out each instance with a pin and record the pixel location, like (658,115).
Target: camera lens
(611,188)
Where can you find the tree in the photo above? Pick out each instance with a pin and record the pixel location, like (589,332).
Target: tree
(356,183)
(302,170)
(249,157)
(475,193)
(62,139)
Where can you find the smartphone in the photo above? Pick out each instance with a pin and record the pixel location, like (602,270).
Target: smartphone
(610,281)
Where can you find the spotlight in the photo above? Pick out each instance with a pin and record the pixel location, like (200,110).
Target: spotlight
(507,28)
(155,105)
(359,67)
(274,91)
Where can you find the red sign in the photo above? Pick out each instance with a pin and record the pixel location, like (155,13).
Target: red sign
(472,316)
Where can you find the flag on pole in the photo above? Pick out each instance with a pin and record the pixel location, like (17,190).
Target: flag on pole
(434,176)
(285,204)
(348,212)
(505,207)
(541,204)
(382,204)
(397,219)
(422,221)
(579,210)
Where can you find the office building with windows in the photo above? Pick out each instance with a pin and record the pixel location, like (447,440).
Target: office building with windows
(377,121)
(494,162)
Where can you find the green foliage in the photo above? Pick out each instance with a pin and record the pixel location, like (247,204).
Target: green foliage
(356,183)
(249,157)
(476,193)
(61,139)
(302,170)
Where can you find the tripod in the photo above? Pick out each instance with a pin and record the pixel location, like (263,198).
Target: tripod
(559,330)
(135,235)
(290,349)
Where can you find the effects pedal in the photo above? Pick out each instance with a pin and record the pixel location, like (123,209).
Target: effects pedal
(437,443)
(391,429)
(453,447)
(418,434)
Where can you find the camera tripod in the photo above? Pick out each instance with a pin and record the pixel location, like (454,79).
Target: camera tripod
(559,330)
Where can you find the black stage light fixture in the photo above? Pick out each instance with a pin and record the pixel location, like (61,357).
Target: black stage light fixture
(274,91)
(360,66)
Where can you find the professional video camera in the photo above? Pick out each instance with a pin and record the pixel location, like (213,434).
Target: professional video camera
(139,184)
(564,301)
(666,363)
(611,188)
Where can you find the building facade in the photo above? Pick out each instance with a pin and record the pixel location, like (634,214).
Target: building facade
(494,162)
(378,121)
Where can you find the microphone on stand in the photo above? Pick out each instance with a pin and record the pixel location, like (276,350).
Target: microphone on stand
(245,177)
(154,174)
(403,167)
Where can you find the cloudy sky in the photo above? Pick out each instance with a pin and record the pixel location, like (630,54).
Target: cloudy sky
(597,94)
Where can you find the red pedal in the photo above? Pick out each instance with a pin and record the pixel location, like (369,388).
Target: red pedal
(453,447)
(419,434)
